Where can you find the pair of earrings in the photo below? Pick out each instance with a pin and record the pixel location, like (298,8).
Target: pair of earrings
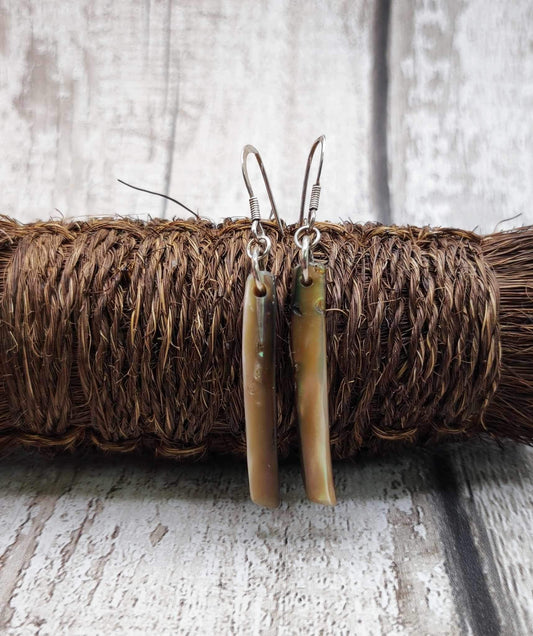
(308,346)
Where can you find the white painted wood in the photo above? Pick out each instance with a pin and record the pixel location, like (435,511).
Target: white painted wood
(460,104)
(126,546)
(497,486)
(165,94)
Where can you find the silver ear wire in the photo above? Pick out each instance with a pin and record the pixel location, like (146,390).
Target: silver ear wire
(315,189)
(259,244)
(307,235)
(254,203)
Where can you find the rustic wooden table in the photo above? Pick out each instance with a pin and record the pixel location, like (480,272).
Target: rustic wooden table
(423,543)
(428,111)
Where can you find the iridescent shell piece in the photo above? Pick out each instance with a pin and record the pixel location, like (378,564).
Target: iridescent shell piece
(259,384)
(308,333)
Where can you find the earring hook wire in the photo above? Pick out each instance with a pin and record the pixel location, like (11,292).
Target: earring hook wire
(315,190)
(307,235)
(254,203)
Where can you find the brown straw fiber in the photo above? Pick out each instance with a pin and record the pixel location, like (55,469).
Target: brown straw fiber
(127,335)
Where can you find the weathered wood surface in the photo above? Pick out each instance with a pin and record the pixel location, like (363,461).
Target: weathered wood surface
(461,98)
(105,546)
(428,118)
(165,95)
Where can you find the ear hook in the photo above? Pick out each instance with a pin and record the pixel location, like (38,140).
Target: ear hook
(315,190)
(254,203)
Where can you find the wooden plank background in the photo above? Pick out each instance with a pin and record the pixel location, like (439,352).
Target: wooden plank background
(427,107)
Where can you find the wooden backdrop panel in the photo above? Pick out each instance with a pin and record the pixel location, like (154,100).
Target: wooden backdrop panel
(461,97)
(165,95)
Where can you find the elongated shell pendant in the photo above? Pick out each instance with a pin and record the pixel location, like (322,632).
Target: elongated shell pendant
(310,364)
(259,383)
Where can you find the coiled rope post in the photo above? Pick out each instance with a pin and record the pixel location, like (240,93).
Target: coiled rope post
(125,335)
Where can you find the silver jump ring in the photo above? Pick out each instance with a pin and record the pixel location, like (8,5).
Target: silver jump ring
(307,231)
(254,244)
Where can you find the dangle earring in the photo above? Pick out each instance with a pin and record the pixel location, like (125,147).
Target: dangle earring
(258,353)
(308,341)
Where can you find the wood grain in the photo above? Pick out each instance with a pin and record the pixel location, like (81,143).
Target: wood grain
(496,491)
(165,95)
(461,94)
(428,121)
(130,545)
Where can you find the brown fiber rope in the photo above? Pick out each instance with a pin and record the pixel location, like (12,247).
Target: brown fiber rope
(127,335)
